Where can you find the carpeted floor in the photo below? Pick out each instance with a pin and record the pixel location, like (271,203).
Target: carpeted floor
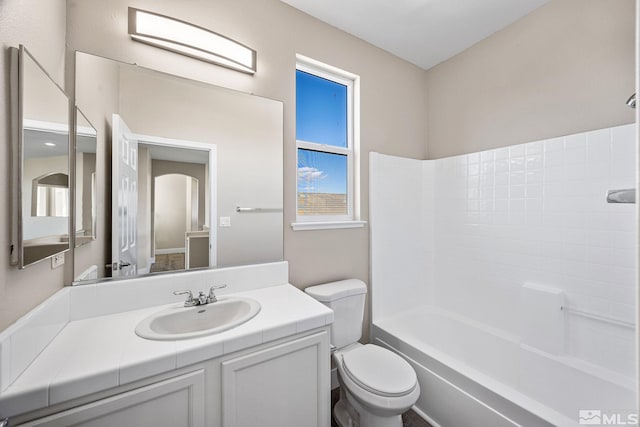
(168,262)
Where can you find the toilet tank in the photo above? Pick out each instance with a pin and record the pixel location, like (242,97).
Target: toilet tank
(346,299)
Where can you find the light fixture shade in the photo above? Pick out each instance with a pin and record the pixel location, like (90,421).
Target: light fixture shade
(190,40)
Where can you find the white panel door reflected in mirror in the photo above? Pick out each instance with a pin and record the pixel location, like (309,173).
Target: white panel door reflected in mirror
(162,205)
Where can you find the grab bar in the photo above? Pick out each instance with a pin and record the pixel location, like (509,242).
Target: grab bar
(627,195)
(599,317)
(240,209)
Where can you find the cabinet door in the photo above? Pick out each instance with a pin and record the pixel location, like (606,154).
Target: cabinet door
(178,401)
(285,385)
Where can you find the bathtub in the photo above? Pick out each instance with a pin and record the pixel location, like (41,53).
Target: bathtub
(473,375)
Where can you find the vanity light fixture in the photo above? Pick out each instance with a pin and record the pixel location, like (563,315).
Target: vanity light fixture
(190,40)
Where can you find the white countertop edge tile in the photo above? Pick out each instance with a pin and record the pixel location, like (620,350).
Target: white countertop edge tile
(189,354)
(61,390)
(24,400)
(147,367)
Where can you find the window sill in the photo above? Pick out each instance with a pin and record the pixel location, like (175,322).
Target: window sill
(326,225)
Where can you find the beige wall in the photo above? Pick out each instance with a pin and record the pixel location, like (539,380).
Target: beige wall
(194,170)
(565,68)
(85,168)
(163,168)
(145,223)
(40,26)
(170,211)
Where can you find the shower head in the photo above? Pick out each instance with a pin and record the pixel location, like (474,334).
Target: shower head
(631,102)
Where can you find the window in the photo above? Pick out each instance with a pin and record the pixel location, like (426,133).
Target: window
(326,142)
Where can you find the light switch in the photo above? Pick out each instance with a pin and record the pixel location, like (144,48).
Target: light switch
(225,221)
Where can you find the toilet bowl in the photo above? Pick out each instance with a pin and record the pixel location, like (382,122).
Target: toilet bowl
(376,385)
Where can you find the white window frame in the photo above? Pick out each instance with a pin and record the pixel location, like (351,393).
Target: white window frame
(352,83)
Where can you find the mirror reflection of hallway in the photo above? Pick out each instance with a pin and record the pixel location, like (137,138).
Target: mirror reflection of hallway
(163,201)
(172,207)
(176,216)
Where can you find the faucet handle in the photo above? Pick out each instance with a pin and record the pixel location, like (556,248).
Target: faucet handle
(212,294)
(190,301)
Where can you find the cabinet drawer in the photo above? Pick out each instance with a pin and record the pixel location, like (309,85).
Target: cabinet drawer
(177,401)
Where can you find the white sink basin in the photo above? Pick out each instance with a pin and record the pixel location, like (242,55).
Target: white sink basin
(179,323)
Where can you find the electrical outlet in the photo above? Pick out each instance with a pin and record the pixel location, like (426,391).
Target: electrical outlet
(57,261)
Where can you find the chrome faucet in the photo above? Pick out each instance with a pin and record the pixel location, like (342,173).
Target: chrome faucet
(190,302)
(201,299)
(212,296)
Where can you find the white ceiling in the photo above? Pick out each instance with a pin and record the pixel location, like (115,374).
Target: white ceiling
(424,32)
(35,139)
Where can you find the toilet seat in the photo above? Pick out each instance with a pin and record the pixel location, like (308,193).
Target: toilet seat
(379,371)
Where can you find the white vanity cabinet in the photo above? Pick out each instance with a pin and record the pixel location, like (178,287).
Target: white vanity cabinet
(94,370)
(278,384)
(283,385)
(177,401)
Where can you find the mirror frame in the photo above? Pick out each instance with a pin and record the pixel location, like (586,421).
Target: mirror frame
(17,76)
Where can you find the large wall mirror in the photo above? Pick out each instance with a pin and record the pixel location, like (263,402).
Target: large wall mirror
(193,176)
(42,164)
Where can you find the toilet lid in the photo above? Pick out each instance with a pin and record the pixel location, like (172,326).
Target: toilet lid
(379,370)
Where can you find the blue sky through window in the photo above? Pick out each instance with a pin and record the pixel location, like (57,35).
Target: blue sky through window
(321,110)
(320,172)
(321,118)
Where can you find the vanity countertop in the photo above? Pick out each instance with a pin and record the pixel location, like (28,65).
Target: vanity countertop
(98,353)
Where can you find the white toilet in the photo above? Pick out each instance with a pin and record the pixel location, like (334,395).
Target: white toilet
(376,385)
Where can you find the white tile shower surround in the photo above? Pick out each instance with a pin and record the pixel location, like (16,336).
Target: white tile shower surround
(54,353)
(464,234)
(536,213)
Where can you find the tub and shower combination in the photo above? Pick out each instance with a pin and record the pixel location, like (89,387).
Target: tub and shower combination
(508,282)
